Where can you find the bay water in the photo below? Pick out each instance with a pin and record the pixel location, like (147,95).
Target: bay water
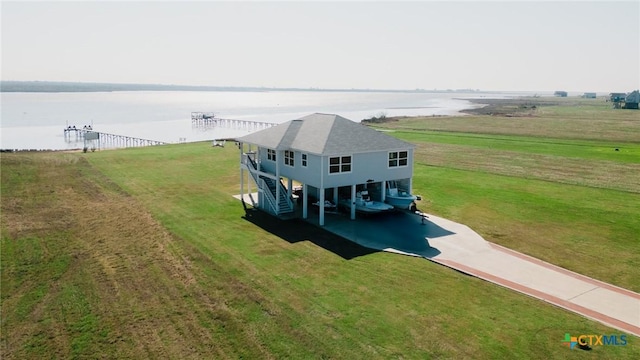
(38,120)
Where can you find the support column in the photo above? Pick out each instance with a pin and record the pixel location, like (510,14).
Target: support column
(353,202)
(249,182)
(335,196)
(249,176)
(384,190)
(289,188)
(242,183)
(256,157)
(277,180)
(321,206)
(241,173)
(304,201)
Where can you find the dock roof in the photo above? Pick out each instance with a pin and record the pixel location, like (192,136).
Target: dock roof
(324,134)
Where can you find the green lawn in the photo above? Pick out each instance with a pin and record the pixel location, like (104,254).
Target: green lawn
(570,148)
(376,303)
(576,119)
(150,256)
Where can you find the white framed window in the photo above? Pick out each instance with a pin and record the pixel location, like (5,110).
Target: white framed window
(304,160)
(271,155)
(289,156)
(398,158)
(339,164)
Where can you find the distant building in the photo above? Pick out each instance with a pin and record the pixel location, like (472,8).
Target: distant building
(589,95)
(560,93)
(617,99)
(631,101)
(625,100)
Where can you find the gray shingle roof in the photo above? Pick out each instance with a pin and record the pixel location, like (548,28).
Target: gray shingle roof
(324,134)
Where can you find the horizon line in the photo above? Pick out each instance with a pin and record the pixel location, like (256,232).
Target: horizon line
(108,86)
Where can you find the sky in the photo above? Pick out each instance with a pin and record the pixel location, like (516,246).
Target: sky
(500,45)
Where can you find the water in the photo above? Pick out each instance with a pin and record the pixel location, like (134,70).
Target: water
(37,120)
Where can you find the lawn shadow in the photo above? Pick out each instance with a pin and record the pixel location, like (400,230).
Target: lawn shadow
(297,230)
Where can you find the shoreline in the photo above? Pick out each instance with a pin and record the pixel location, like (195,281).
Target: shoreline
(505,107)
(522,106)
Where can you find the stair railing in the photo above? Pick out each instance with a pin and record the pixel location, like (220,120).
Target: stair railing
(268,195)
(285,193)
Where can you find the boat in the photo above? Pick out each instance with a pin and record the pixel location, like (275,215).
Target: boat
(398,198)
(328,206)
(364,204)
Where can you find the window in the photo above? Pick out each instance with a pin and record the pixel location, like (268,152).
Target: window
(398,158)
(339,164)
(288,157)
(271,155)
(304,160)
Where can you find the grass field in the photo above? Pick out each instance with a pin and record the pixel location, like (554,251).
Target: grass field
(558,119)
(143,253)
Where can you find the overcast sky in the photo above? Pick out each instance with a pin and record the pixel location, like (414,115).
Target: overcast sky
(508,45)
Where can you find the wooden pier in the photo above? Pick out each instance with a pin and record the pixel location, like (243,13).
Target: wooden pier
(209,120)
(100,140)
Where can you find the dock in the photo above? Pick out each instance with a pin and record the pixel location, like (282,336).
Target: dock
(100,140)
(207,120)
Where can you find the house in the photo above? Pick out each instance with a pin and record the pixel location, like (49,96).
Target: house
(589,95)
(329,156)
(560,93)
(617,99)
(624,100)
(632,99)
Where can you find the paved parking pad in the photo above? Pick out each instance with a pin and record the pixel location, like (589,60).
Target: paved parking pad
(459,247)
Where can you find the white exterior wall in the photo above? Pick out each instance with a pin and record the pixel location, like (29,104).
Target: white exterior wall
(369,166)
(267,166)
(364,166)
(307,175)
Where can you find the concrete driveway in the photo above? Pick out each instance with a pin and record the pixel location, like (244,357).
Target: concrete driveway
(458,247)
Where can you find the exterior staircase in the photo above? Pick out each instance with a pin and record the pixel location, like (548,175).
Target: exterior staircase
(284,203)
(268,185)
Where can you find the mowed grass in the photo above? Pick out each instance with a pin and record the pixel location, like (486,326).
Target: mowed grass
(143,253)
(569,197)
(577,119)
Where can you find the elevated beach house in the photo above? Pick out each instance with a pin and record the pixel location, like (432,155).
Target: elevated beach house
(326,156)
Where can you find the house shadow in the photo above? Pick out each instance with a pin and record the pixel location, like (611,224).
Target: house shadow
(296,230)
(400,232)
